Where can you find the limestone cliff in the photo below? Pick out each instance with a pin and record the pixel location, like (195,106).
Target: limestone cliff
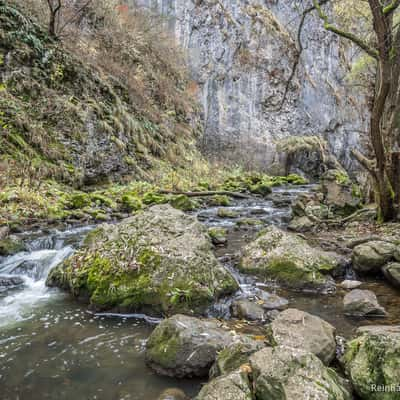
(241,54)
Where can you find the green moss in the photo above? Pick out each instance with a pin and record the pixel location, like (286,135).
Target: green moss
(219,200)
(263,189)
(227,213)
(183,203)
(248,222)
(130,202)
(151,198)
(79,200)
(9,246)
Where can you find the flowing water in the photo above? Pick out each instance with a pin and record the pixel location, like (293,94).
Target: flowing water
(53,348)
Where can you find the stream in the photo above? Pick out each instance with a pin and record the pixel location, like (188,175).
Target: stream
(53,348)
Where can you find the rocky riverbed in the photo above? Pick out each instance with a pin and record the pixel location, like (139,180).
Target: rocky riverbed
(258,286)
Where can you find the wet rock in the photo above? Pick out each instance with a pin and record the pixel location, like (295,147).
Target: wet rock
(362,303)
(281,200)
(10,282)
(340,194)
(173,394)
(301,224)
(11,245)
(271,301)
(233,356)
(234,386)
(373,358)
(248,222)
(245,309)
(159,261)
(4,231)
(290,260)
(227,213)
(300,330)
(370,257)
(272,315)
(349,284)
(392,273)
(294,374)
(183,346)
(218,236)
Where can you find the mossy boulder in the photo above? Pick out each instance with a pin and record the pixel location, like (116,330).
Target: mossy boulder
(227,213)
(219,201)
(11,245)
(79,201)
(262,189)
(372,362)
(183,203)
(392,273)
(130,202)
(218,235)
(286,373)
(290,260)
(159,261)
(183,346)
(301,330)
(233,386)
(370,257)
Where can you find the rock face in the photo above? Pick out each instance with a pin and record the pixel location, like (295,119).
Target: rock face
(370,257)
(362,303)
(10,282)
(245,309)
(184,346)
(294,374)
(300,330)
(241,55)
(288,259)
(159,261)
(373,358)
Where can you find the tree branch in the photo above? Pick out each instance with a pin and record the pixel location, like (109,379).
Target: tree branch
(392,7)
(347,35)
(368,164)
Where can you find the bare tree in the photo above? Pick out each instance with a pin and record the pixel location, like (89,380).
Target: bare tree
(54,10)
(384,131)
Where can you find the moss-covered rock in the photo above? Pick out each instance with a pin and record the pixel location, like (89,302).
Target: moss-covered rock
(10,246)
(159,261)
(183,203)
(372,362)
(219,201)
(294,374)
(184,346)
(290,260)
(130,202)
(218,235)
(370,257)
(227,213)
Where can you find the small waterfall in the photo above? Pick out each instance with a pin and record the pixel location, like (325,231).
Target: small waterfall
(31,268)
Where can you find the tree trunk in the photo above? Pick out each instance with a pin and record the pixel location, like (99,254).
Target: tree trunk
(52,25)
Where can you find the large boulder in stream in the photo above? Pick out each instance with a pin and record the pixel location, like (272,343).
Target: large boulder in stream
(294,374)
(183,346)
(392,273)
(372,362)
(290,260)
(362,303)
(159,261)
(301,330)
(370,257)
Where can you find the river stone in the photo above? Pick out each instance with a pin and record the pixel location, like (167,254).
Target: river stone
(287,373)
(290,260)
(370,257)
(173,394)
(350,284)
(233,356)
(392,273)
(10,282)
(301,224)
(373,358)
(234,386)
(298,329)
(159,261)
(362,303)
(183,346)
(271,301)
(246,309)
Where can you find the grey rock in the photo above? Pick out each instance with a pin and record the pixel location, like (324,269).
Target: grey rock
(245,309)
(392,273)
(362,303)
(10,282)
(271,301)
(183,346)
(301,224)
(294,374)
(233,386)
(300,330)
(173,394)
(350,284)
(370,257)
(288,259)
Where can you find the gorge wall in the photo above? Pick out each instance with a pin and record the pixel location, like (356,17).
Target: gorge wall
(241,54)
